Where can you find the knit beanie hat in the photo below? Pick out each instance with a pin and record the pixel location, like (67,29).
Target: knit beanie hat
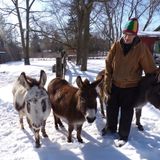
(131,26)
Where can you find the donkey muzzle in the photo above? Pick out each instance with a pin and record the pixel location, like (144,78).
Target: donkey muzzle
(36,126)
(91,120)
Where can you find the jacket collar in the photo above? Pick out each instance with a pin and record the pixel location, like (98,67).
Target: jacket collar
(127,47)
(136,40)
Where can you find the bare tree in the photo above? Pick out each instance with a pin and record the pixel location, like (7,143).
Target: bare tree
(22,11)
(144,9)
(118,11)
(74,21)
(79,12)
(8,41)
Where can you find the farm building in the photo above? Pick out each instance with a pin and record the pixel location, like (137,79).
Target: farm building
(152,40)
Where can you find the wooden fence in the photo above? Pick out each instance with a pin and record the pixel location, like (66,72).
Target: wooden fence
(6,57)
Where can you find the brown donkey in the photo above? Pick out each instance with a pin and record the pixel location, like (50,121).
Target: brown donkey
(73,104)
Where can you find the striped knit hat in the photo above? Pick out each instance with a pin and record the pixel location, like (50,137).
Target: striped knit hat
(131,26)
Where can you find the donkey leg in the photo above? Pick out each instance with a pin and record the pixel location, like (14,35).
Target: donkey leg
(29,122)
(105,130)
(37,138)
(70,129)
(60,123)
(55,121)
(138,116)
(79,129)
(21,120)
(44,134)
(102,108)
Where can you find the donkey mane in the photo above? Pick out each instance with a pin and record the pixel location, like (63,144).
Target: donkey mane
(32,82)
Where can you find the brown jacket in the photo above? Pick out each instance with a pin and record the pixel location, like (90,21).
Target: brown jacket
(125,71)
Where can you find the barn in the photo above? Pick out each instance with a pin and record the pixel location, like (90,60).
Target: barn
(152,40)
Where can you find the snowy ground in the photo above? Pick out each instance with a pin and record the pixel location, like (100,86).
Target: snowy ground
(16,144)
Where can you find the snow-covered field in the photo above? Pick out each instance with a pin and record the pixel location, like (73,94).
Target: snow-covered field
(16,144)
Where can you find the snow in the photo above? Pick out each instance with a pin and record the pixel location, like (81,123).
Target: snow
(17,144)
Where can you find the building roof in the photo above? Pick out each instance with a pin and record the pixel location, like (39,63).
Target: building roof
(157,29)
(149,34)
(2,52)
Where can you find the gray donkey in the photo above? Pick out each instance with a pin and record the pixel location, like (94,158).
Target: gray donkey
(30,99)
(148,91)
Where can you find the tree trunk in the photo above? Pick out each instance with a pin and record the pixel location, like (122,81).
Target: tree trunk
(26,60)
(85,42)
(79,38)
(86,35)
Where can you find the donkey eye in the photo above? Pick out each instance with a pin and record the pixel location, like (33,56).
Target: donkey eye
(28,107)
(83,100)
(43,103)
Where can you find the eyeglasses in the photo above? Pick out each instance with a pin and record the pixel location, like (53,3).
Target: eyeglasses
(128,34)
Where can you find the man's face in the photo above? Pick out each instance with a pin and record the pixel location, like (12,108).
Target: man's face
(128,37)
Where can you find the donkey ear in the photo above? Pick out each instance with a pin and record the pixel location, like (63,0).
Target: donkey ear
(23,80)
(43,78)
(86,81)
(158,78)
(95,83)
(79,82)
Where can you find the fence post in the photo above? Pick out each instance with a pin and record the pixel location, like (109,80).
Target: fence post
(59,67)
(64,63)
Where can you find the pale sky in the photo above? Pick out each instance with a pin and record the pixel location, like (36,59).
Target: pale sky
(37,4)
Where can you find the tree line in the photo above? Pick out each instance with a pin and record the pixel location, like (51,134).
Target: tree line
(84,26)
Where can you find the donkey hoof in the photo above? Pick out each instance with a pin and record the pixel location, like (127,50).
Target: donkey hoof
(56,127)
(61,125)
(22,127)
(45,135)
(104,132)
(103,116)
(140,128)
(69,140)
(38,145)
(80,140)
